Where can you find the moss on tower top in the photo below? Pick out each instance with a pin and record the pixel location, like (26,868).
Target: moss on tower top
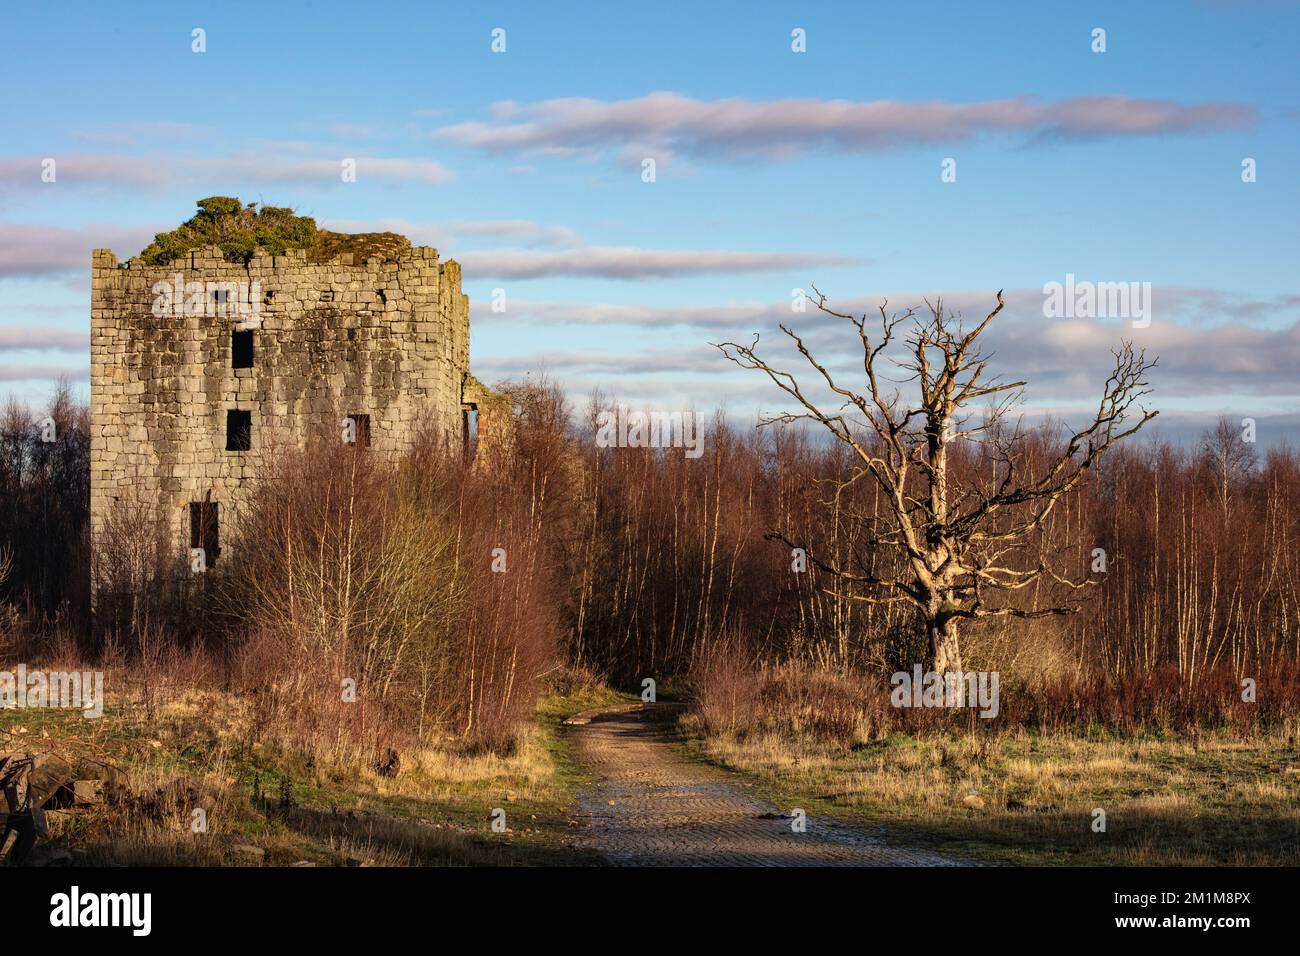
(240,231)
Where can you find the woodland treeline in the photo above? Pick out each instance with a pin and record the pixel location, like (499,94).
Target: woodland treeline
(629,563)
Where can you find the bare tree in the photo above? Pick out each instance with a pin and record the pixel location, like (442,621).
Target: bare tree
(954,543)
(1227,458)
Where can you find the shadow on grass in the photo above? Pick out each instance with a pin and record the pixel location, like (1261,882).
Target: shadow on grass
(1134,836)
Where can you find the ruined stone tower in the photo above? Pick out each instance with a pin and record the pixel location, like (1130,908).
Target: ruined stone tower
(201,366)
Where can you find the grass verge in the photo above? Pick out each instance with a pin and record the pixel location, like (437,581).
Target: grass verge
(1025,798)
(198,785)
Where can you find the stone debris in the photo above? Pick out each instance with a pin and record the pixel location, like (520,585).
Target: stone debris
(36,783)
(87,792)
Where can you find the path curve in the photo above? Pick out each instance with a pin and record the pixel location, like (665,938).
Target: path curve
(655,807)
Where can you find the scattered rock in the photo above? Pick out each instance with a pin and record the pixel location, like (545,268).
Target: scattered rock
(87,792)
(248,852)
(48,775)
(96,768)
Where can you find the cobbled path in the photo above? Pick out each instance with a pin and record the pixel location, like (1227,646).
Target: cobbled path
(655,807)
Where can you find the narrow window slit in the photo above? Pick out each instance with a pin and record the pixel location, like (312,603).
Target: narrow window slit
(205,529)
(469,431)
(241,349)
(239,429)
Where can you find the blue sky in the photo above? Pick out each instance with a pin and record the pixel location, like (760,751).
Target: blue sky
(775,170)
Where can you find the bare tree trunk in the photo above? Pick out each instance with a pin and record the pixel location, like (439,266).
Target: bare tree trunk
(945,651)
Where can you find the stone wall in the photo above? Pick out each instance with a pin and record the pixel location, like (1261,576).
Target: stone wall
(495,421)
(386,339)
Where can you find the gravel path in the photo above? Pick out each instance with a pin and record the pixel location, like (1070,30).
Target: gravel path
(655,807)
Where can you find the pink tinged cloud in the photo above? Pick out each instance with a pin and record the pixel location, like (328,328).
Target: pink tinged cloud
(745,129)
(10,372)
(19,173)
(99,169)
(1253,348)
(14,338)
(28,250)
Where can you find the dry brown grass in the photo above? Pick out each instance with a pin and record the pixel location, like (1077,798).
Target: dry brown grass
(188,748)
(1029,798)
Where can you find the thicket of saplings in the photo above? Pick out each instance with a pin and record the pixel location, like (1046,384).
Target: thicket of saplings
(452,594)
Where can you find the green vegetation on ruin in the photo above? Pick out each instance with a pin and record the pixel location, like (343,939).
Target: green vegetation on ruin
(240,231)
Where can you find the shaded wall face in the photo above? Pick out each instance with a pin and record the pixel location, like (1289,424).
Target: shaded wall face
(384,340)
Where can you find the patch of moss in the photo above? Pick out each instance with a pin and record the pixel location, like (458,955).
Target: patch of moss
(241,230)
(363,245)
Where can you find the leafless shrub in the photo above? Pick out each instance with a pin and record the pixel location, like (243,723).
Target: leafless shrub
(726,683)
(369,585)
(135,572)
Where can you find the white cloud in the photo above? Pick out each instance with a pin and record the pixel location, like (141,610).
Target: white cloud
(633,262)
(443,235)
